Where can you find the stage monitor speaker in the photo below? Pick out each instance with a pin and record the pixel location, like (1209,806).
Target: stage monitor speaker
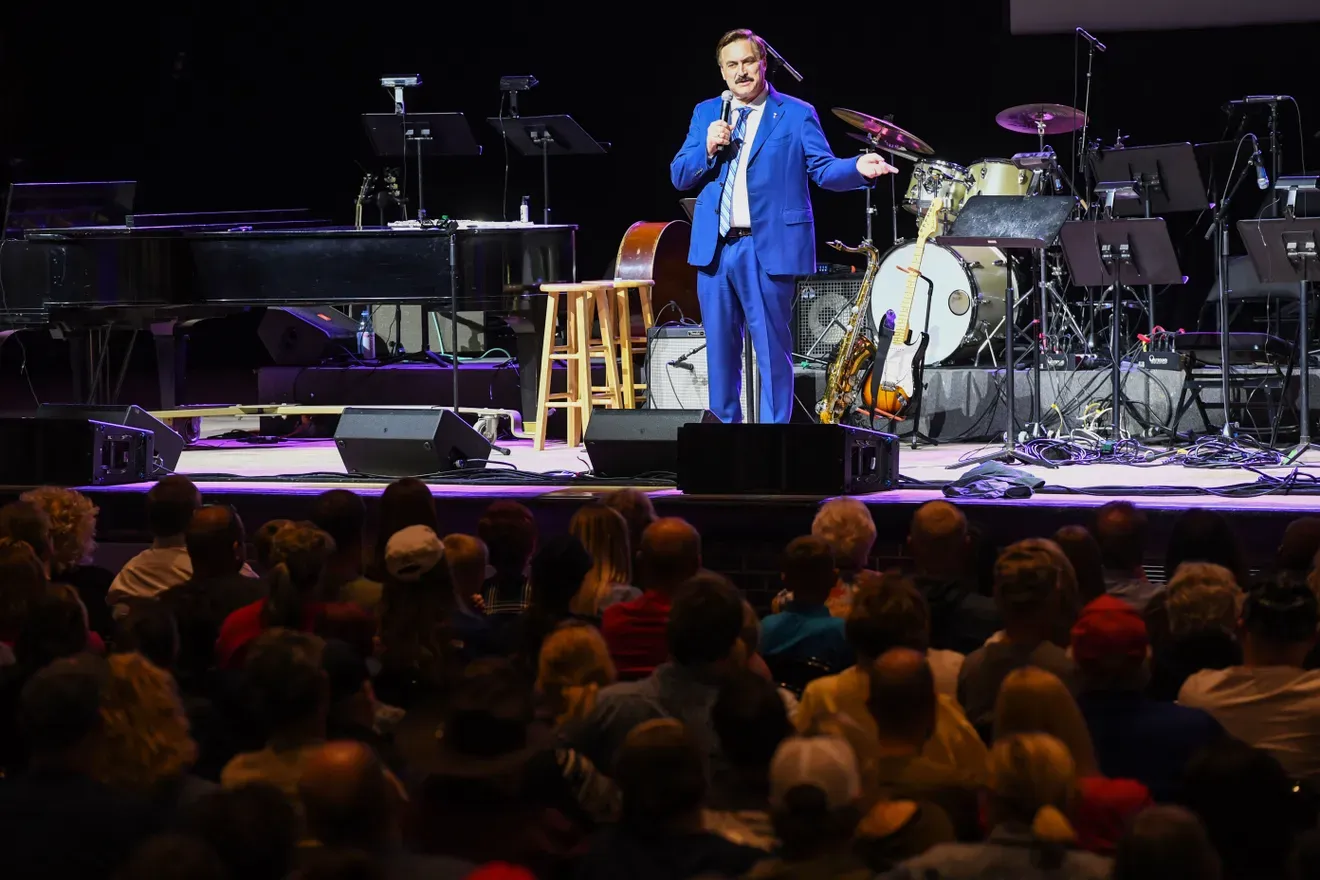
(407,441)
(168,443)
(38,451)
(633,442)
(763,459)
(304,337)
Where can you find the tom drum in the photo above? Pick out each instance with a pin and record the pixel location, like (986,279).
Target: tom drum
(932,178)
(997,177)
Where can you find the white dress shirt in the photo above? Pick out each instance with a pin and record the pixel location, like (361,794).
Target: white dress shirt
(742,213)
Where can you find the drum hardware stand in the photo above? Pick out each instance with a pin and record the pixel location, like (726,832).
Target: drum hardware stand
(919,374)
(1098,251)
(1287,250)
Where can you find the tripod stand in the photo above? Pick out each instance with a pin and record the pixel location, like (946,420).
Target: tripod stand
(1097,252)
(919,374)
(1288,250)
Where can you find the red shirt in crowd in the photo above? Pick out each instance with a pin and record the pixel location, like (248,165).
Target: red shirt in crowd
(635,634)
(244,625)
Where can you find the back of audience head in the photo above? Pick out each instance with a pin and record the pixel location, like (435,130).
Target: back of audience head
(349,798)
(56,626)
(60,711)
(1201,535)
(1032,700)
(1166,841)
(557,571)
(888,611)
(1083,551)
(171,856)
(847,526)
(511,535)
(573,666)
(661,773)
(263,542)
(216,541)
(467,558)
(705,622)
(1027,588)
(286,683)
(24,579)
(299,554)
(27,522)
(750,720)
(1121,530)
(342,515)
(1202,597)
(1299,546)
(808,570)
(1279,620)
(636,509)
(902,698)
(937,539)
(145,743)
(170,506)
(152,631)
(670,554)
(604,533)
(1111,646)
(72,519)
(815,786)
(1033,781)
(252,828)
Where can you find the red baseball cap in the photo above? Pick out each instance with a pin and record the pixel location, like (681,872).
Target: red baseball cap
(1109,628)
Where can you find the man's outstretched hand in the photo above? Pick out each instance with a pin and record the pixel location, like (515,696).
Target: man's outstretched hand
(871,166)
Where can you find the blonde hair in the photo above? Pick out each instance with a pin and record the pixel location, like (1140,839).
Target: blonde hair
(1032,700)
(72,517)
(467,558)
(1202,596)
(574,665)
(144,739)
(1070,598)
(604,533)
(1034,778)
(846,525)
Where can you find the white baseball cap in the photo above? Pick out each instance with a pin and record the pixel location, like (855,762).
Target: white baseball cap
(823,762)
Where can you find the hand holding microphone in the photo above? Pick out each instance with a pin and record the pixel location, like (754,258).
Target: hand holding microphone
(720,133)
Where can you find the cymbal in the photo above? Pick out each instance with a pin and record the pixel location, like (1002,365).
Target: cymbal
(1026,118)
(884,134)
(869,140)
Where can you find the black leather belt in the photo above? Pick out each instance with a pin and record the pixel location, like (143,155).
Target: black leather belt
(736,233)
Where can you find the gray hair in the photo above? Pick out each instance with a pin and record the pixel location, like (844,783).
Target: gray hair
(846,525)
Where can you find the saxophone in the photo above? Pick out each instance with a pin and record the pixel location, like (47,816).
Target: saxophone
(848,367)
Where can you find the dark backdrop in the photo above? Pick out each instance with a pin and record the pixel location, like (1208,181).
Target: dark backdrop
(256,105)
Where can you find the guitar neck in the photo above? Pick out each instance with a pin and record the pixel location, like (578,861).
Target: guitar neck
(905,309)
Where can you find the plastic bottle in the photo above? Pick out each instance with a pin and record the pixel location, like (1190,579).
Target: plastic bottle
(525,212)
(366,336)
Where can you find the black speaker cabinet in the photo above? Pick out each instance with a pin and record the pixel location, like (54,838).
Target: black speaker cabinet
(761,459)
(407,441)
(633,442)
(303,337)
(73,452)
(169,445)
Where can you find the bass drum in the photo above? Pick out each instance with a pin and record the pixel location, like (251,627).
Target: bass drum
(968,303)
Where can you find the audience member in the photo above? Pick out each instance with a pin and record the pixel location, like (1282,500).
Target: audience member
(636,509)
(1300,544)
(165,564)
(804,630)
(669,555)
(846,525)
(961,619)
(1083,551)
(604,533)
(342,515)
(1201,535)
(28,522)
(1165,843)
(511,536)
(72,519)
(469,569)
(1121,529)
(573,667)
(558,571)
(414,647)
(174,857)
(404,503)
(253,829)
(750,723)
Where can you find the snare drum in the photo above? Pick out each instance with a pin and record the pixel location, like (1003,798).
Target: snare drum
(932,178)
(997,177)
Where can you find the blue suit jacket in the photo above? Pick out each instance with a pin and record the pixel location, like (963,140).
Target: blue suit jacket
(789,148)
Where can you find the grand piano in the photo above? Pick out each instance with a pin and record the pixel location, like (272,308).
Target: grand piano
(165,272)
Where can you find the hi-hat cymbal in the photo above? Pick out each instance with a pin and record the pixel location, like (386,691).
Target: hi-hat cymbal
(884,135)
(869,140)
(1041,118)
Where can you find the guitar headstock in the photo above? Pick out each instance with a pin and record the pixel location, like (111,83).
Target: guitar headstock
(931,219)
(367,180)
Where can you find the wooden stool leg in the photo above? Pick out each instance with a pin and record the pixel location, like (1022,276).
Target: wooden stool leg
(578,386)
(605,311)
(547,368)
(628,387)
(648,316)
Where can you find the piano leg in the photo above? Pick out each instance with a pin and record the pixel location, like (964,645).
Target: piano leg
(171,356)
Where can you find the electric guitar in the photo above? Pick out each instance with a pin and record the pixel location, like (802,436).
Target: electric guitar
(367,180)
(898,351)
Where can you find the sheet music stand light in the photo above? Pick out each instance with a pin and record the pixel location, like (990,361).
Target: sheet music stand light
(434,135)
(1113,253)
(1287,250)
(1010,223)
(546,136)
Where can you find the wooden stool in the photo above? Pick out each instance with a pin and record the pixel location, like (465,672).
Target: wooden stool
(632,391)
(584,301)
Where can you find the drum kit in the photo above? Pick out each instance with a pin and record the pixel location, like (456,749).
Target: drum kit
(968,305)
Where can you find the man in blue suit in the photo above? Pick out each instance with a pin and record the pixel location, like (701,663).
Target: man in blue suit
(752,229)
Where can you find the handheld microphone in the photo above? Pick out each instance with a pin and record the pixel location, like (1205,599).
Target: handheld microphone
(1090,39)
(726,105)
(1262,177)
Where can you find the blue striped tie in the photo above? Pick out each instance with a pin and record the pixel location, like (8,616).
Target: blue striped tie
(726,198)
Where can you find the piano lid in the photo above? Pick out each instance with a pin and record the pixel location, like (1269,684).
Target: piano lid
(66,204)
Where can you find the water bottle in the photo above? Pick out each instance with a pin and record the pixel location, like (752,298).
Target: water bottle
(366,336)
(525,212)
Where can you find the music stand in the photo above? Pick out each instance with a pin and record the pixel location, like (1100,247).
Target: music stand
(1010,223)
(1098,250)
(1287,250)
(435,134)
(546,136)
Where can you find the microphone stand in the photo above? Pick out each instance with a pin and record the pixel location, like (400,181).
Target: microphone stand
(1220,230)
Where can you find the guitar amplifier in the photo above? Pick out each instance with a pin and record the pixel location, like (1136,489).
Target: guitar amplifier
(818,300)
(676,372)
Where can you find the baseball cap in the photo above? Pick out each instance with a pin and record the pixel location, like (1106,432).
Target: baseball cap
(823,762)
(412,552)
(1108,628)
